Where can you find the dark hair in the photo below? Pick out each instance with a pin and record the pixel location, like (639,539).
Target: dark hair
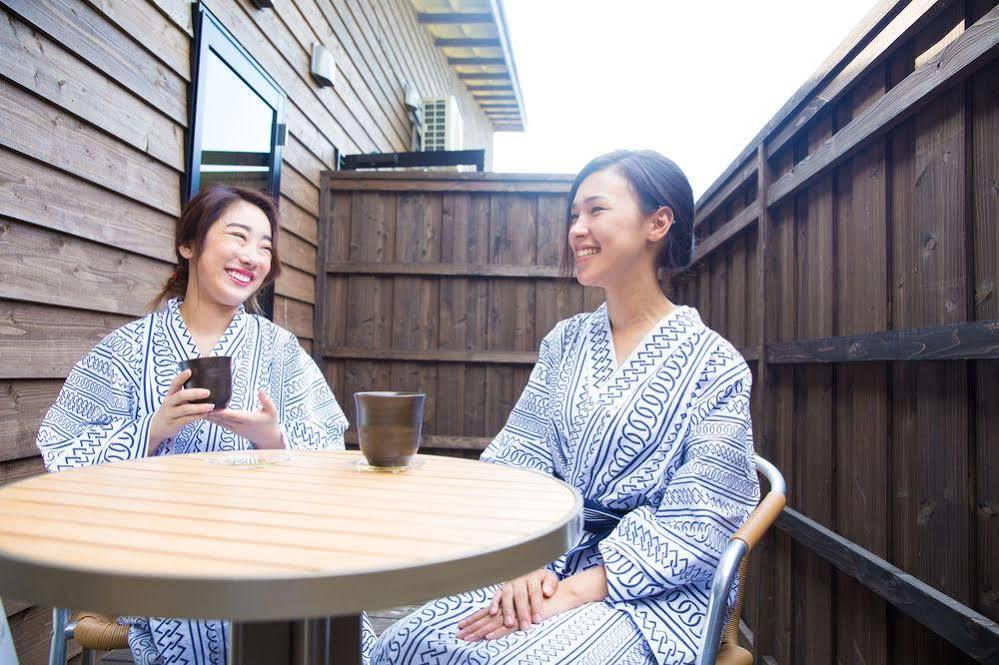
(658,182)
(192,227)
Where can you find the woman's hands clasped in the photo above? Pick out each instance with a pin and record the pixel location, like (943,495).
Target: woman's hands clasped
(516,605)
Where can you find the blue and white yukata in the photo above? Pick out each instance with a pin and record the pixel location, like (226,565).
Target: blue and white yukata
(104,410)
(661,449)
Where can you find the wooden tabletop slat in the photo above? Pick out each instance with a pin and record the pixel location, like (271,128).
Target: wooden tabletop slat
(248,535)
(412,527)
(257,497)
(292,534)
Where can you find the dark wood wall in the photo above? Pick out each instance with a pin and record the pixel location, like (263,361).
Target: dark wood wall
(93,115)
(881,208)
(444,284)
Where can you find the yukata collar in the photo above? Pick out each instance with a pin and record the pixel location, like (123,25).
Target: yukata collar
(178,332)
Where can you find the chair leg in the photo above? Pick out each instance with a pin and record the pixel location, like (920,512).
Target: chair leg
(57,653)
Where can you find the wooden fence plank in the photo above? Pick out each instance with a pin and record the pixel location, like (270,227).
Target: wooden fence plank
(444,270)
(984,155)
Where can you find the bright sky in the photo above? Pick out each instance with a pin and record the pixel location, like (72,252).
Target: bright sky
(695,81)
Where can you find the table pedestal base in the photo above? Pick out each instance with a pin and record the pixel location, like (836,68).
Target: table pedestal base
(335,641)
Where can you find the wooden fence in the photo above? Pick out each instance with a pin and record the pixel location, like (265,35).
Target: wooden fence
(852,252)
(443,283)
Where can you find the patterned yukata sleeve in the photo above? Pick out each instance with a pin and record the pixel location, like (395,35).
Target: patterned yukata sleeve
(309,415)
(524,440)
(94,418)
(678,541)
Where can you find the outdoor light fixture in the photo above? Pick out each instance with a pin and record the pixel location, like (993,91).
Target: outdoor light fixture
(323,67)
(262,4)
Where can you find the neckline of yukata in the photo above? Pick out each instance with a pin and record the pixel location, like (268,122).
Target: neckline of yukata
(180,335)
(604,340)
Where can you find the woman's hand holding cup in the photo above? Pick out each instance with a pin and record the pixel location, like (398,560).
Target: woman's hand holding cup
(177,410)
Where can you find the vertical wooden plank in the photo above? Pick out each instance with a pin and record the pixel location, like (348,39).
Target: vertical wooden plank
(512,223)
(417,299)
(737,291)
(461,389)
(718,267)
(554,299)
(984,162)
(930,411)
(551,229)
(814,426)
(781,316)
(754,311)
(861,390)
(760,587)
(369,299)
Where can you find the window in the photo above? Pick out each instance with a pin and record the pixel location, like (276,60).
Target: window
(237,119)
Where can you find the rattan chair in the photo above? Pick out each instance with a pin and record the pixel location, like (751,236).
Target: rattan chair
(721,638)
(93,632)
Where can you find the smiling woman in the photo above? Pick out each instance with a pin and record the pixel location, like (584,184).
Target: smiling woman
(229,232)
(127,399)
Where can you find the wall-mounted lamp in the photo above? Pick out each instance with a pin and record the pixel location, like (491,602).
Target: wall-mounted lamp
(323,67)
(262,4)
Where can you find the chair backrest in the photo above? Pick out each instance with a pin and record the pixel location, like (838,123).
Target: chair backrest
(734,560)
(7,655)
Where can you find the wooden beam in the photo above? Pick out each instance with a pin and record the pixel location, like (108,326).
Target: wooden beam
(438,441)
(476,61)
(434,356)
(869,26)
(452,18)
(427,182)
(763,379)
(321,305)
(491,76)
(738,223)
(466,42)
(478,88)
(909,21)
(978,340)
(708,206)
(959,59)
(445,270)
(971,632)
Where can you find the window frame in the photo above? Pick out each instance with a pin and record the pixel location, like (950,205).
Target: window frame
(211,36)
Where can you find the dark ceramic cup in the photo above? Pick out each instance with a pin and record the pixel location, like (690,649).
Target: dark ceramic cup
(389,426)
(213,373)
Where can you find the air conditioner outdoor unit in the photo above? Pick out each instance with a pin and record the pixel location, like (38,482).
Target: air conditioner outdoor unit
(442,129)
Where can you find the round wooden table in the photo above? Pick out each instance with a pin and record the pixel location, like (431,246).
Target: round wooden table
(267,537)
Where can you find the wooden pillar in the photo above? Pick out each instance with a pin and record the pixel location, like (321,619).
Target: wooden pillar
(764,565)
